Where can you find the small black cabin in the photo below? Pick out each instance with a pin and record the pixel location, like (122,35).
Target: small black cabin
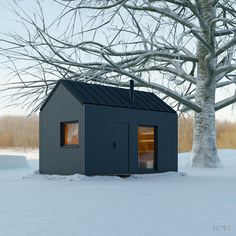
(101,130)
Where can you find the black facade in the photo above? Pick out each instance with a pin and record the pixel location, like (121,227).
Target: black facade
(111,138)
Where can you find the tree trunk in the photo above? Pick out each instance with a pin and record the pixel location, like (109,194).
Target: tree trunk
(204,151)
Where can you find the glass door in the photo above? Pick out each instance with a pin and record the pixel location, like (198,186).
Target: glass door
(146,147)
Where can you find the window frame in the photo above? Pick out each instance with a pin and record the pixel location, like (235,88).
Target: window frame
(62,134)
(155,164)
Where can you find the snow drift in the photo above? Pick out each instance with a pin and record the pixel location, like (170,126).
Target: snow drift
(12,161)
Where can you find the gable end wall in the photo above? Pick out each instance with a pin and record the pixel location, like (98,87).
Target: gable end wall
(55,159)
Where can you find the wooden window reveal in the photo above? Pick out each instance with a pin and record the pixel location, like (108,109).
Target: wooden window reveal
(71,133)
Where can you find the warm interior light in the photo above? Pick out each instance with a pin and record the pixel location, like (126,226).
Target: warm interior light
(146,147)
(71,133)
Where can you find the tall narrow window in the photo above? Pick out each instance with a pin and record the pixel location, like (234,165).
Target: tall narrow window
(70,133)
(146,147)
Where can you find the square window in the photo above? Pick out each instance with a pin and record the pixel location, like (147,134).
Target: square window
(70,133)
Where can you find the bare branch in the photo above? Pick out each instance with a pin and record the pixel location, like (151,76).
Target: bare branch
(225,69)
(164,12)
(224,32)
(229,44)
(224,103)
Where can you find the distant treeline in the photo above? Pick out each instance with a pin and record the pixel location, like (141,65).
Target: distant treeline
(226,134)
(21,132)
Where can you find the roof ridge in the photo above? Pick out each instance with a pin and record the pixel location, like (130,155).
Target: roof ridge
(98,94)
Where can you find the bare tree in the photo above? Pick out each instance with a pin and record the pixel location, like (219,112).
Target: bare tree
(184,50)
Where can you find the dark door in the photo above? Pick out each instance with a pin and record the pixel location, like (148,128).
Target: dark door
(120,148)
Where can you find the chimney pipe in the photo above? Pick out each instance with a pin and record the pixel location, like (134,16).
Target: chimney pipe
(131,91)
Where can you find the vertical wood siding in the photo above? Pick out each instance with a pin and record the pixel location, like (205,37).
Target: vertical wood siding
(54,158)
(99,139)
(95,154)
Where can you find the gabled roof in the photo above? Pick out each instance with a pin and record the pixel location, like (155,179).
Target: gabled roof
(111,96)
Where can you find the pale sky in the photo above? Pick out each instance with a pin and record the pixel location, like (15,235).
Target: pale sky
(7,24)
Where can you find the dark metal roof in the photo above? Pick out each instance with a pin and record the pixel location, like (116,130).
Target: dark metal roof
(111,96)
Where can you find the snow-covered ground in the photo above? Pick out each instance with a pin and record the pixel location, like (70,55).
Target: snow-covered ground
(192,202)
(30,154)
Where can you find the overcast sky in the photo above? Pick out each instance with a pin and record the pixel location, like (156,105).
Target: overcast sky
(8,19)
